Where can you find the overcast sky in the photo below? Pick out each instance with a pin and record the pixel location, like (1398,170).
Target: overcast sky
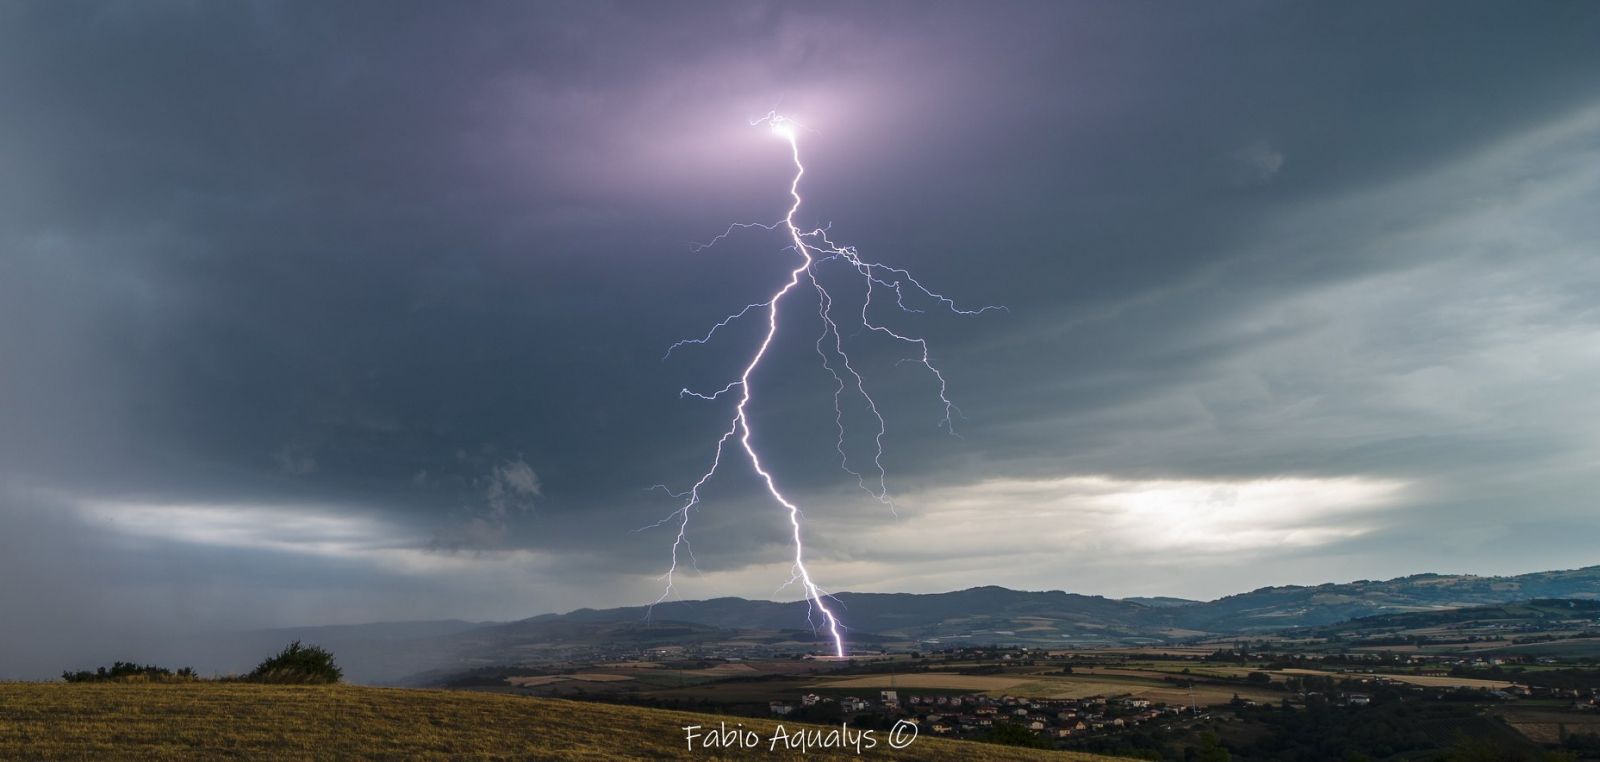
(338,312)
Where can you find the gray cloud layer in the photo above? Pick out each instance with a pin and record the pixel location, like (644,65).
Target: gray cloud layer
(314,313)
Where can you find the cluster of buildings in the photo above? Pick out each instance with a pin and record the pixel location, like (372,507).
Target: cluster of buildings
(1581,698)
(1056,718)
(969,715)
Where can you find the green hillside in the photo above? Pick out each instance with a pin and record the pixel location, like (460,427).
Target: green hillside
(237,720)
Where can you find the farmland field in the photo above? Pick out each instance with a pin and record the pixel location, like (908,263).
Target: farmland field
(239,720)
(1576,648)
(929,680)
(1169,668)
(1125,683)
(1426,681)
(537,680)
(1548,725)
(1152,690)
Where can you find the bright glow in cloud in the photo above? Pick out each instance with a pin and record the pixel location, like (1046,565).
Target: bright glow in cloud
(1104,520)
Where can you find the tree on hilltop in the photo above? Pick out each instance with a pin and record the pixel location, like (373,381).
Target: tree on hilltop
(298,663)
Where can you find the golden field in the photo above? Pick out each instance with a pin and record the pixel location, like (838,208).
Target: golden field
(240,720)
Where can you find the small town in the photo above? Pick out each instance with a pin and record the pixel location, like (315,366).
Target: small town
(971,715)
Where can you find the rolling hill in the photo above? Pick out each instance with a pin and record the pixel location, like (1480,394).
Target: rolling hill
(1300,606)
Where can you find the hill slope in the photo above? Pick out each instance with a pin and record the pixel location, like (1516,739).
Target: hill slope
(1549,613)
(1301,606)
(1060,618)
(233,720)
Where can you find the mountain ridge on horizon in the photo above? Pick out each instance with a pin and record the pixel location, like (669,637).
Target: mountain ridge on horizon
(1591,569)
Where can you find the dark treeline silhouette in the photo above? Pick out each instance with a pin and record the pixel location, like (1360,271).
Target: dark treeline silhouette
(295,664)
(128,672)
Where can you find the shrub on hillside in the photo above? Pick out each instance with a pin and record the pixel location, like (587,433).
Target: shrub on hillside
(298,663)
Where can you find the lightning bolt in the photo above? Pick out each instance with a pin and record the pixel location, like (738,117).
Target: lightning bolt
(813,247)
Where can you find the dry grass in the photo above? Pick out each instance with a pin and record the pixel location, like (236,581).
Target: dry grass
(282,722)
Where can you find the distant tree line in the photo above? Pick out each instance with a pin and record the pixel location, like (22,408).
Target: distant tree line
(128,672)
(295,664)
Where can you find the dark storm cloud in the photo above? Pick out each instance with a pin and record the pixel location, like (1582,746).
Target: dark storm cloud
(376,259)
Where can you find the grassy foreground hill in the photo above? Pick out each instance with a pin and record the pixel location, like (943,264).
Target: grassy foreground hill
(238,720)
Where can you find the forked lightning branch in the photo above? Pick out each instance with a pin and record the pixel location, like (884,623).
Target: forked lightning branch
(812,249)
